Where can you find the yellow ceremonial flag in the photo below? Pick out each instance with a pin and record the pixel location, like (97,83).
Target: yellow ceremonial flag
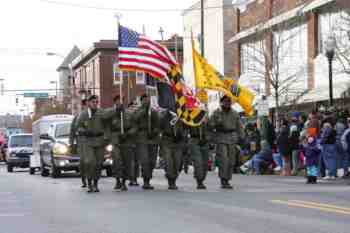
(242,95)
(206,77)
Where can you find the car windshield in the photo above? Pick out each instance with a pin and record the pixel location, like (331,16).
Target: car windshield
(62,130)
(19,141)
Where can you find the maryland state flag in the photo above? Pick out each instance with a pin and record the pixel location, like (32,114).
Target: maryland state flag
(206,77)
(187,105)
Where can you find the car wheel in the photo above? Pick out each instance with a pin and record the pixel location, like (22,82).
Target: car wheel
(31,171)
(55,173)
(44,172)
(109,172)
(9,168)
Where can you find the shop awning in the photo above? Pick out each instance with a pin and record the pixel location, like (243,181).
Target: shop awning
(315,4)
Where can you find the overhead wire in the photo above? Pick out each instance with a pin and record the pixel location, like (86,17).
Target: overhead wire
(144,10)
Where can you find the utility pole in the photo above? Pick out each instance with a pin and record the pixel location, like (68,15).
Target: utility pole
(202,28)
(2,86)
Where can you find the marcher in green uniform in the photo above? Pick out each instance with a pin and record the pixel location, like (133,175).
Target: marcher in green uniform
(199,152)
(77,143)
(145,124)
(129,147)
(116,131)
(91,124)
(229,131)
(172,142)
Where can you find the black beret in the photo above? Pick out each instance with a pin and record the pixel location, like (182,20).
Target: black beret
(225,97)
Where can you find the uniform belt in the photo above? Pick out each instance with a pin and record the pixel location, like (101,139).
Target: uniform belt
(116,130)
(227,131)
(93,135)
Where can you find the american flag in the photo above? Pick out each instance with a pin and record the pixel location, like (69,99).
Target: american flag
(137,52)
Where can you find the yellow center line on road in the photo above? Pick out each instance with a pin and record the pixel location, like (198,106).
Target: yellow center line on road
(322,205)
(314,205)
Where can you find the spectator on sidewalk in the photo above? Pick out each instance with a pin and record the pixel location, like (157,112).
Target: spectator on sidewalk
(295,147)
(311,152)
(329,155)
(284,148)
(342,158)
(345,141)
(259,160)
(313,125)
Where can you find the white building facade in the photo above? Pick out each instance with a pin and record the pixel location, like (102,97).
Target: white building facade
(218,29)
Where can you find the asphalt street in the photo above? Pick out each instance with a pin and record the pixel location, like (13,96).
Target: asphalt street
(271,204)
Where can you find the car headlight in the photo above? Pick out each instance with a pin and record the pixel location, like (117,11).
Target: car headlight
(60,149)
(63,163)
(109,148)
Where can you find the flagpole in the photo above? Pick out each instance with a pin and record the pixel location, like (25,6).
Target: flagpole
(121,97)
(202,28)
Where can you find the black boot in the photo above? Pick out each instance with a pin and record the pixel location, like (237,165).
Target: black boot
(314,180)
(96,190)
(309,180)
(200,184)
(90,188)
(83,181)
(124,188)
(146,184)
(118,184)
(172,184)
(133,183)
(225,184)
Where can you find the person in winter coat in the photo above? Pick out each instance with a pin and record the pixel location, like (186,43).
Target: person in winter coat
(295,148)
(252,140)
(284,148)
(329,155)
(313,125)
(263,157)
(312,153)
(345,141)
(341,153)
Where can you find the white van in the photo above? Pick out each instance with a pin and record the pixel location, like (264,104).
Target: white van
(41,127)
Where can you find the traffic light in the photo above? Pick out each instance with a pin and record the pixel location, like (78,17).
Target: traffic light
(16,100)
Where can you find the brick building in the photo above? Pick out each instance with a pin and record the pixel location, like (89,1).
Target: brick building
(96,72)
(291,34)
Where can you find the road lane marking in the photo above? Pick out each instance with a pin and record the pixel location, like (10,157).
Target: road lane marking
(12,215)
(323,205)
(319,206)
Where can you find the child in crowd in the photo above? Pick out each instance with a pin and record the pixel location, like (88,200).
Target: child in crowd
(311,152)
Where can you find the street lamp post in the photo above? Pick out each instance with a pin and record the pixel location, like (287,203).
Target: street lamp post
(330,51)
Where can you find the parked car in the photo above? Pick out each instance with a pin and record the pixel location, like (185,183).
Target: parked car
(19,149)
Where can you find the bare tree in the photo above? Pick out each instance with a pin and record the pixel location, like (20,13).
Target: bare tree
(341,30)
(271,64)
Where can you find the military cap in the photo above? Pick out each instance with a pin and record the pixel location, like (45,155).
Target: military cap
(92,97)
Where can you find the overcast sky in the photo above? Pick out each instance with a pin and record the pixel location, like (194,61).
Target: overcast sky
(30,28)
